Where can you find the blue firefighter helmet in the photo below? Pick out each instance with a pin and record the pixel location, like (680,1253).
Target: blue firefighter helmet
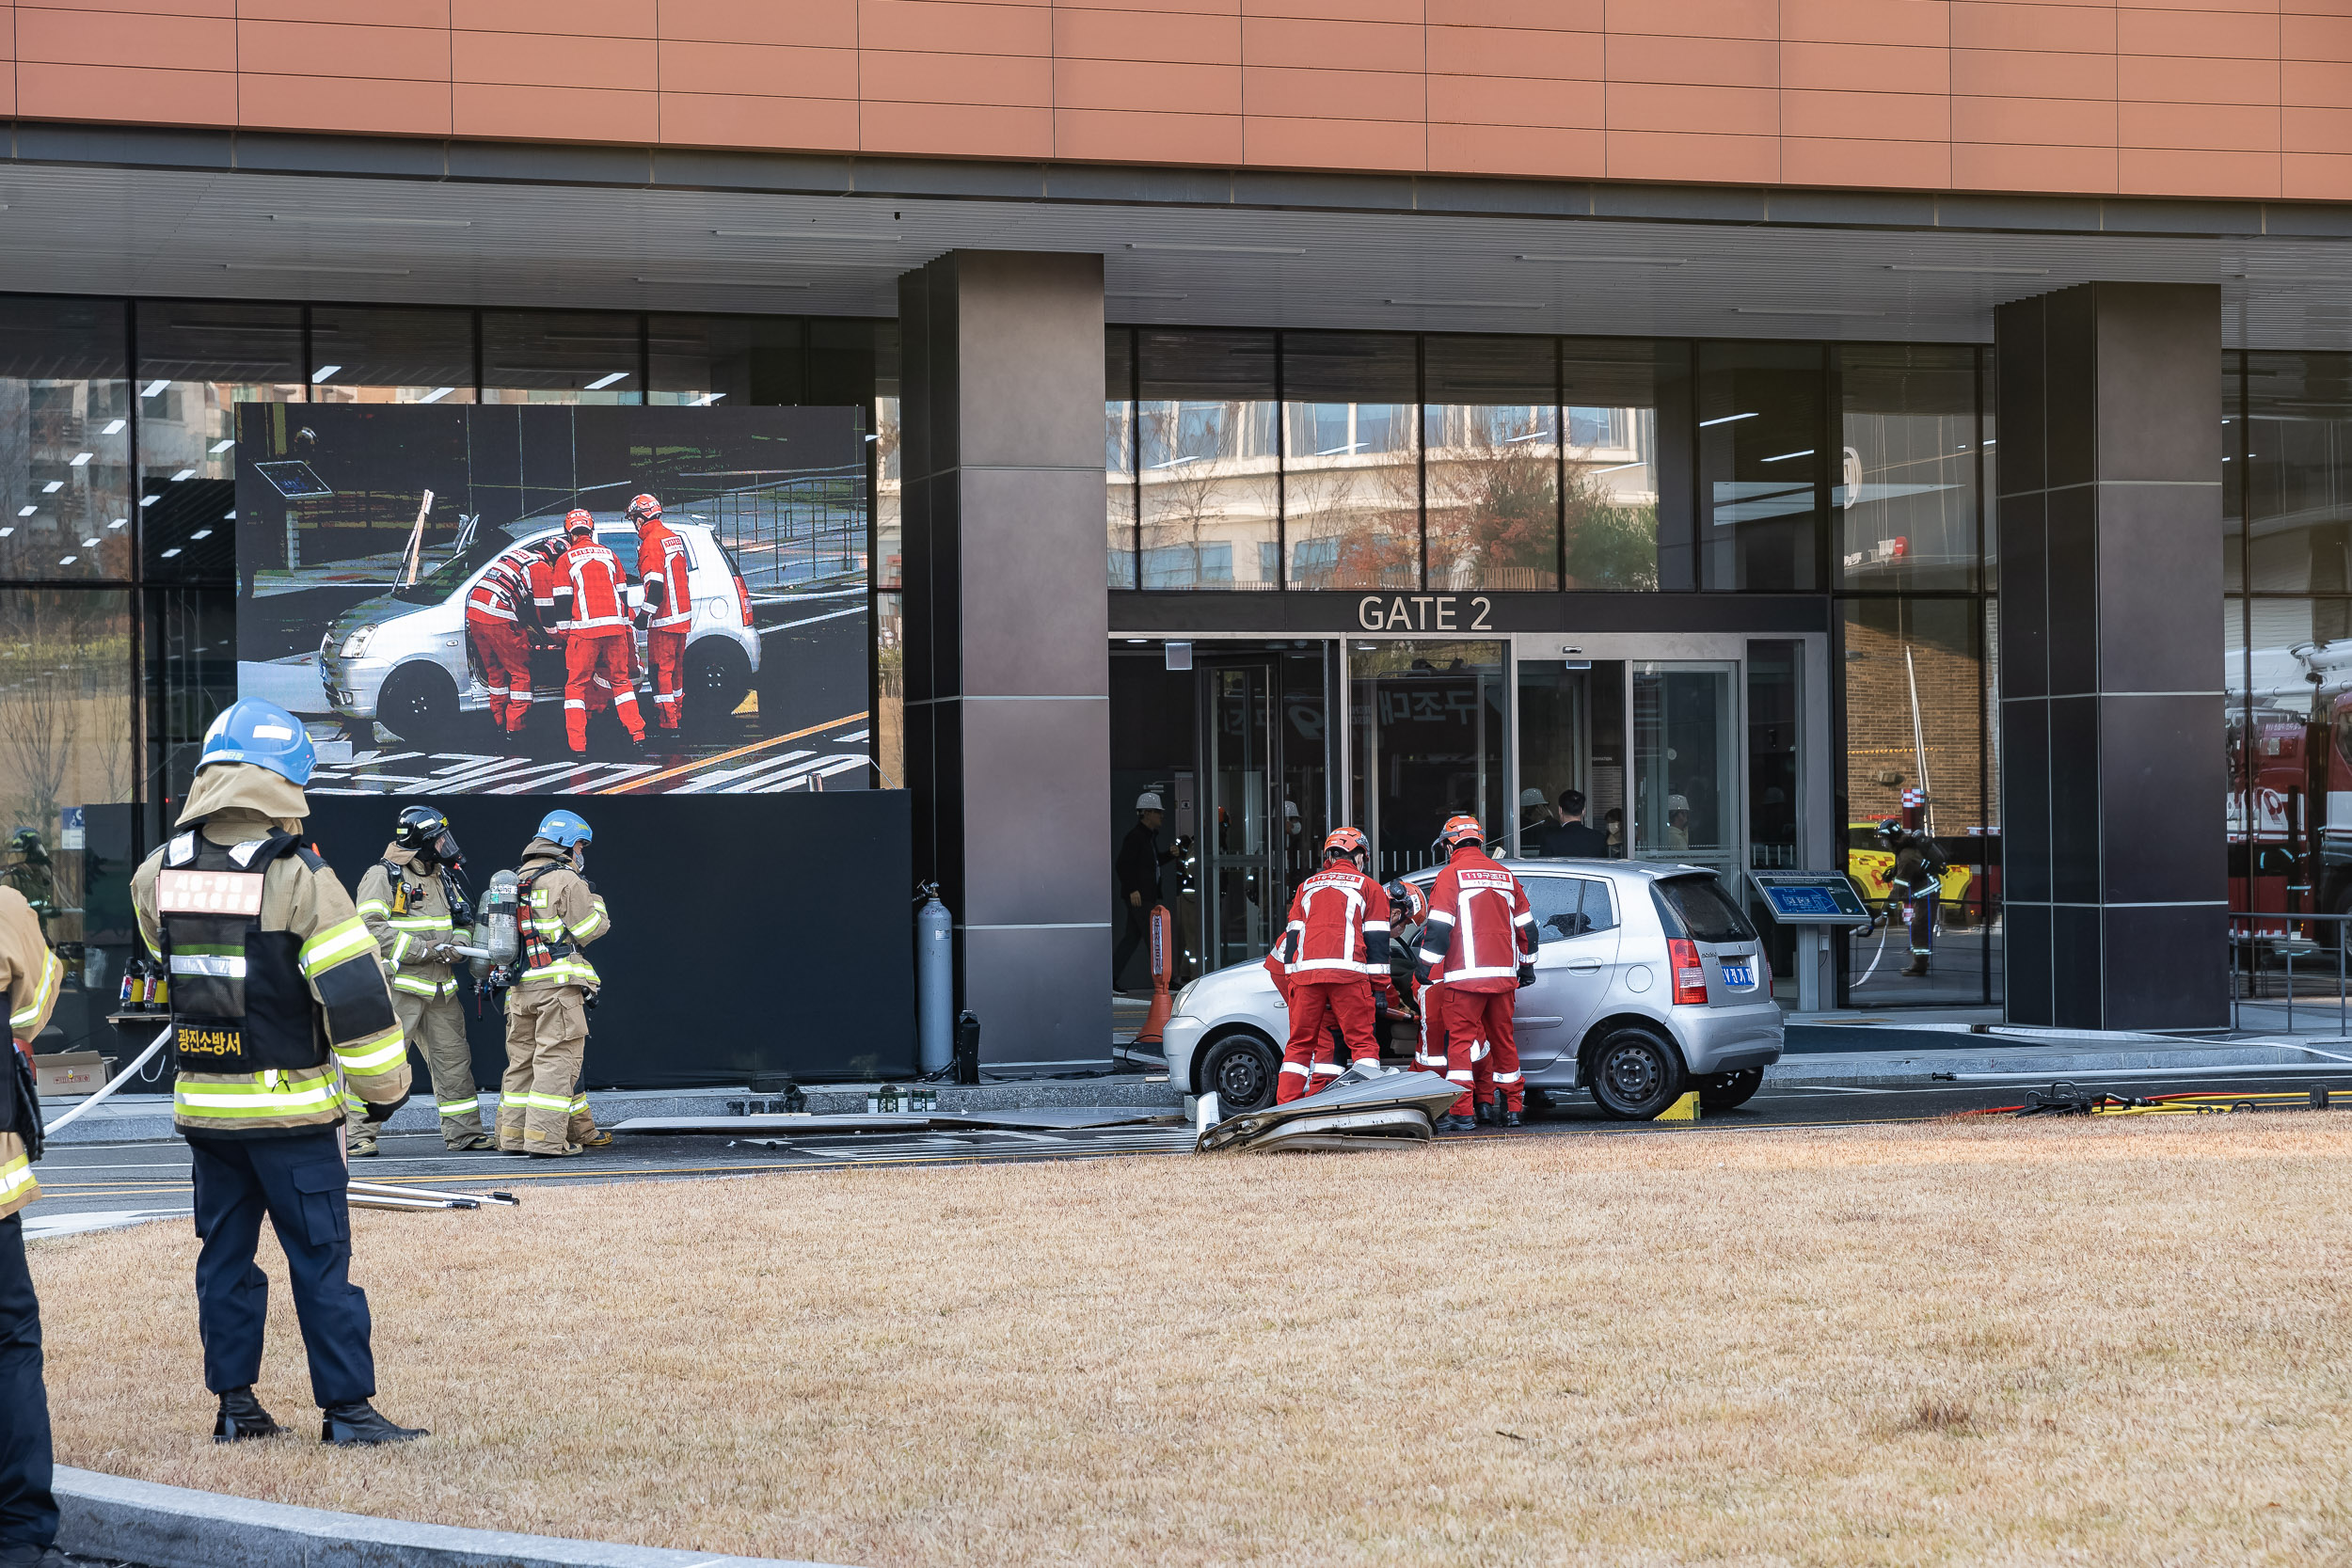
(262,734)
(565,828)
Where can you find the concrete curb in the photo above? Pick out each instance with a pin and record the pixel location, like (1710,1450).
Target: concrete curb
(1916,1068)
(173,1527)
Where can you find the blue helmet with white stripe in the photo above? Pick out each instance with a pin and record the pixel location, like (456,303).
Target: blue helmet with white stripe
(565,828)
(261,734)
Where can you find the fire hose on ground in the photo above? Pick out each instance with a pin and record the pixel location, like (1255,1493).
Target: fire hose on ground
(364,1195)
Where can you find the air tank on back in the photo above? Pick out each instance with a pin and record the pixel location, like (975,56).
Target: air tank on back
(495,924)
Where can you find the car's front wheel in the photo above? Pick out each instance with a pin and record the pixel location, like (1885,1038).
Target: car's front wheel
(1729,1091)
(419,703)
(1239,1069)
(1636,1075)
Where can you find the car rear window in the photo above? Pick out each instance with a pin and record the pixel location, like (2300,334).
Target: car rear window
(1696,907)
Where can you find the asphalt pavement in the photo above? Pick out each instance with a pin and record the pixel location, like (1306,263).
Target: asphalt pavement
(99,1185)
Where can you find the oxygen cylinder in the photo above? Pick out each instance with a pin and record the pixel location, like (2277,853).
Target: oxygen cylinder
(495,924)
(934,982)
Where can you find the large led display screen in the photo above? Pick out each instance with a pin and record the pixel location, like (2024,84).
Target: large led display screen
(375,539)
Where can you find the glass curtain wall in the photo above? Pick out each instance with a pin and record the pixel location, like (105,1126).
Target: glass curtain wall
(1351,460)
(1492,428)
(2287,618)
(1208,461)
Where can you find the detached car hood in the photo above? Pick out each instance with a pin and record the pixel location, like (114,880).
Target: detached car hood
(1355,1111)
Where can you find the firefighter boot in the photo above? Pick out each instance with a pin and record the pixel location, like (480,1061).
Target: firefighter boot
(1511,1118)
(360,1143)
(1918,965)
(1458,1124)
(1489,1113)
(359,1422)
(241,1416)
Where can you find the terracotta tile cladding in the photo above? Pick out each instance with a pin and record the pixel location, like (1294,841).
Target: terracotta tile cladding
(1121,136)
(1517,100)
(163,96)
(734,120)
(1173,38)
(1149,87)
(99,38)
(2201,98)
(1515,52)
(360,105)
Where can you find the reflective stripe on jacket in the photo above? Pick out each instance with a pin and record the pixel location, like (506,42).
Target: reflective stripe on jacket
(1339,926)
(590,576)
(30,974)
(561,911)
(661,567)
(1480,925)
(237,804)
(403,939)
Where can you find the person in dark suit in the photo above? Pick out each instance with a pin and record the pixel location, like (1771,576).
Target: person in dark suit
(1571,837)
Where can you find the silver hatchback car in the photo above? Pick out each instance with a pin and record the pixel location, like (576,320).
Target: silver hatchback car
(1649,983)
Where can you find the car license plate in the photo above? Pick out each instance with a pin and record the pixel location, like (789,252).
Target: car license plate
(1739,976)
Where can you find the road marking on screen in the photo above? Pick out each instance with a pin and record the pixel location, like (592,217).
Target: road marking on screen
(730,757)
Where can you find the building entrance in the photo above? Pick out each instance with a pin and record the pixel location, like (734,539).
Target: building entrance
(1686,748)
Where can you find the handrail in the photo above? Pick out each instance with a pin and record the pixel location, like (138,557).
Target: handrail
(2283,923)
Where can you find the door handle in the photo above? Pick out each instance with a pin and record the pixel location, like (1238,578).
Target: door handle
(1584,966)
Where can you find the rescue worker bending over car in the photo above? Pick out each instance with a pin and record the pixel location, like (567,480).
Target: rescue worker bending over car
(542,1109)
(497,619)
(668,612)
(279,1006)
(1480,942)
(418,917)
(30,974)
(1336,954)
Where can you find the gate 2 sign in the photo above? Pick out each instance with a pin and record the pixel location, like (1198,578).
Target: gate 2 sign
(1425,613)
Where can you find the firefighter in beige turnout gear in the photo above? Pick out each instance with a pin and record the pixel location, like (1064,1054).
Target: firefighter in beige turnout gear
(543,1108)
(279,1009)
(416,913)
(30,974)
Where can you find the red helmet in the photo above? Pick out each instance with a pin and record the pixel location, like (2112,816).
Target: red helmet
(577,521)
(1459,830)
(644,509)
(1407,903)
(1345,841)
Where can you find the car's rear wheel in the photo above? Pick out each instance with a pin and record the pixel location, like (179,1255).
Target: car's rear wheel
(1240,1070)
(419,703)
(1729,1091)
(716,678)
(1636,1075)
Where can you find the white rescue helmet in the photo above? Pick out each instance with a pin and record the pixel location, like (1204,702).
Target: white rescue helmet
(1149,801)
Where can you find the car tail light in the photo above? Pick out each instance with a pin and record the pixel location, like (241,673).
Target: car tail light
(743,598)
(1682,957)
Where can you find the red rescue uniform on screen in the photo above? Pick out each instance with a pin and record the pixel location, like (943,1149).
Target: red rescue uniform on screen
(1480,929)
(596,649)
(498,610)
(661,567)
(1334,953)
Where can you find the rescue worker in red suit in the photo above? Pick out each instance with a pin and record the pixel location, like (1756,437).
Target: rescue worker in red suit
(1480,942)
(1336,952)
(499,613)
(594,613)
(1409,906)
(668,610)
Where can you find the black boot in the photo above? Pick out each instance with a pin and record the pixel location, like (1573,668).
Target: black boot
(1458,1124)
(241,1416)
(359,1422)
(1486,1109)
(1510,1118)
(1918,968)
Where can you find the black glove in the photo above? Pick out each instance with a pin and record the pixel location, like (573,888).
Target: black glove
(589,999)
(1527,972)
(23,1117)
(376,1116)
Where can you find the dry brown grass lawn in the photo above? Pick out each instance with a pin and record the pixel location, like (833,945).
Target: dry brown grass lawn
(2115,1342)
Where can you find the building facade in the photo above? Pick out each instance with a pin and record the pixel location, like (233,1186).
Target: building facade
(1761,417)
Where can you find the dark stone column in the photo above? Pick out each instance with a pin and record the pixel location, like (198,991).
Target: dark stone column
(2113,865)
(1008,639)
